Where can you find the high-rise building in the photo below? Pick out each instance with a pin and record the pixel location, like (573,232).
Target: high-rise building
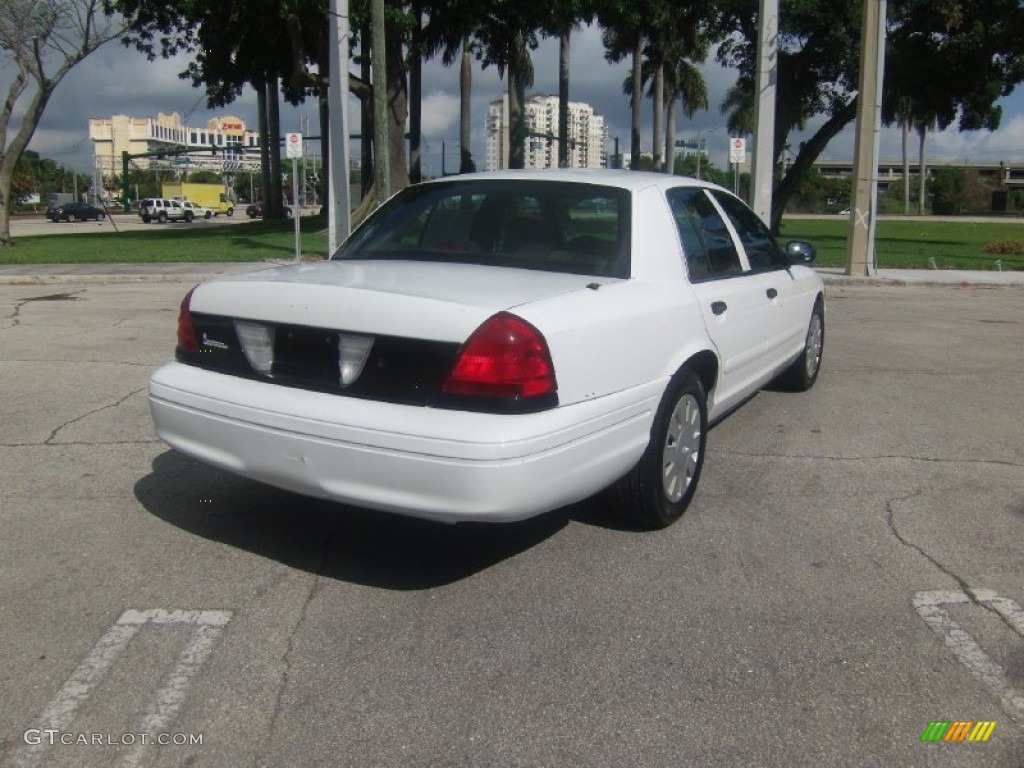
(587,134)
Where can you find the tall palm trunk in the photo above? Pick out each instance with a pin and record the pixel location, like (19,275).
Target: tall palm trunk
(637,95)
(905,126)
(466,164)
(563,99)
(659,111)
(517,76)
(922,131)
(670,134)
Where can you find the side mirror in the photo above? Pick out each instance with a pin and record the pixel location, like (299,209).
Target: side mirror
(800,252)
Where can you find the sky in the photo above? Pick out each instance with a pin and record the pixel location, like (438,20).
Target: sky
(119,80)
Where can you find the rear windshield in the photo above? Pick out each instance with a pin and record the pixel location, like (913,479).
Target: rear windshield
(528,224)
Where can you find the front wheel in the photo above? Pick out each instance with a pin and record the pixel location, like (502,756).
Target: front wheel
(231,211)
(100,217)
(162,217)
(188,217)
(659,488)
(208,214)
(803,372)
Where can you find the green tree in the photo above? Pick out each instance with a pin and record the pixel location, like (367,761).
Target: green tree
(976,45)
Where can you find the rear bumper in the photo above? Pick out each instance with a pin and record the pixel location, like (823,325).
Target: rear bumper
(423,462)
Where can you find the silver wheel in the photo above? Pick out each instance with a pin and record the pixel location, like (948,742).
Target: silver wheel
(660,487)
(813,345)
(681,452)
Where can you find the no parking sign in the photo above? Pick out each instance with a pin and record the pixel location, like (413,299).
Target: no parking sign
(737,150)
(293,145)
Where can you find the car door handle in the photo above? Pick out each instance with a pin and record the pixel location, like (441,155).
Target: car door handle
(772,293)
(719,307)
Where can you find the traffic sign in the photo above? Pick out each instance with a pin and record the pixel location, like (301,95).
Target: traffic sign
(293,145)
(737,150)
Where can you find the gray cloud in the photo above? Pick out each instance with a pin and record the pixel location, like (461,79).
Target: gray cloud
(118,80)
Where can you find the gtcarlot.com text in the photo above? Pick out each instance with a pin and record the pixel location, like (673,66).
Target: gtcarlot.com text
(52,736)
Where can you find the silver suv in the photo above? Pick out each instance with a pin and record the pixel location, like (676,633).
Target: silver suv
(163,210)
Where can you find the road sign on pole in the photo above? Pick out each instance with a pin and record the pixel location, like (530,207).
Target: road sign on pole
(293,145)
(737,150)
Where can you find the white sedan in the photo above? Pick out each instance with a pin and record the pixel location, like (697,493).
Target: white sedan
(197,211)
(493,346)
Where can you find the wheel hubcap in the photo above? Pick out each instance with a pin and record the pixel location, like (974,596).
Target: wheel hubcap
(682,448)
(813,356)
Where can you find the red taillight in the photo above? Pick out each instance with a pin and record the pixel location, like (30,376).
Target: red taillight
(186,331)
(505,357)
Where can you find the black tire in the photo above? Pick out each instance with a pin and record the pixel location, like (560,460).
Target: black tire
(146,219)
(803,372)
(231,211)
(208,215)
(657,491)
(188,217)
(162,217)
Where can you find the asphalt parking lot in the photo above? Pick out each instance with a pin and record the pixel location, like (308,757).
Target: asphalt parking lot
(849,572)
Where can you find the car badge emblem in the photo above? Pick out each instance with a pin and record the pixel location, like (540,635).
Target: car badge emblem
(208,342)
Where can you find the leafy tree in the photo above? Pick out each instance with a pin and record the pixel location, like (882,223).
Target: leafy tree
(976,45)
(43,40)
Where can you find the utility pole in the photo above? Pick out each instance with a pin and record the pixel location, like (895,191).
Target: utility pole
(338,214)
(861,232)
(764,121)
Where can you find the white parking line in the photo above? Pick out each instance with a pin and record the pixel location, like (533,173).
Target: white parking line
(965,647)
(60,713)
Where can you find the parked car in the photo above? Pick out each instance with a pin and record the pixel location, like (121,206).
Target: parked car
(163,210)
(75,212)
(197,211)
(255,210)
(494,346)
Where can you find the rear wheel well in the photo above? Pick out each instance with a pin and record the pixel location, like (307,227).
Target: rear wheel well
(705,365)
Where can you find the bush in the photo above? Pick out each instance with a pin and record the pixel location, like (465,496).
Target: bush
(1005,246)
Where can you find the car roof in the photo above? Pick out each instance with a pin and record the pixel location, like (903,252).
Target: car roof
(622,179)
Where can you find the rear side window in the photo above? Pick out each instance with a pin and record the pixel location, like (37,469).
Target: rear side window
(762,251)
(708,247)
(546,225)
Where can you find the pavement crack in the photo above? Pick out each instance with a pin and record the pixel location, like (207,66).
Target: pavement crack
(967,589)
(81,362)
(880,457)
(53,435)
(91,443)
(285,679)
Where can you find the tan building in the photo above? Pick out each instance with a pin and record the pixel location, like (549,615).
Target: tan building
(233,148)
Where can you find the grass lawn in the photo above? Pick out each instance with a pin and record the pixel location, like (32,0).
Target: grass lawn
(251,241)
(902,244)
(899,244)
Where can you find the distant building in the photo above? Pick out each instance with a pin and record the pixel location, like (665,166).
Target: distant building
(587,134)
(232,147)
